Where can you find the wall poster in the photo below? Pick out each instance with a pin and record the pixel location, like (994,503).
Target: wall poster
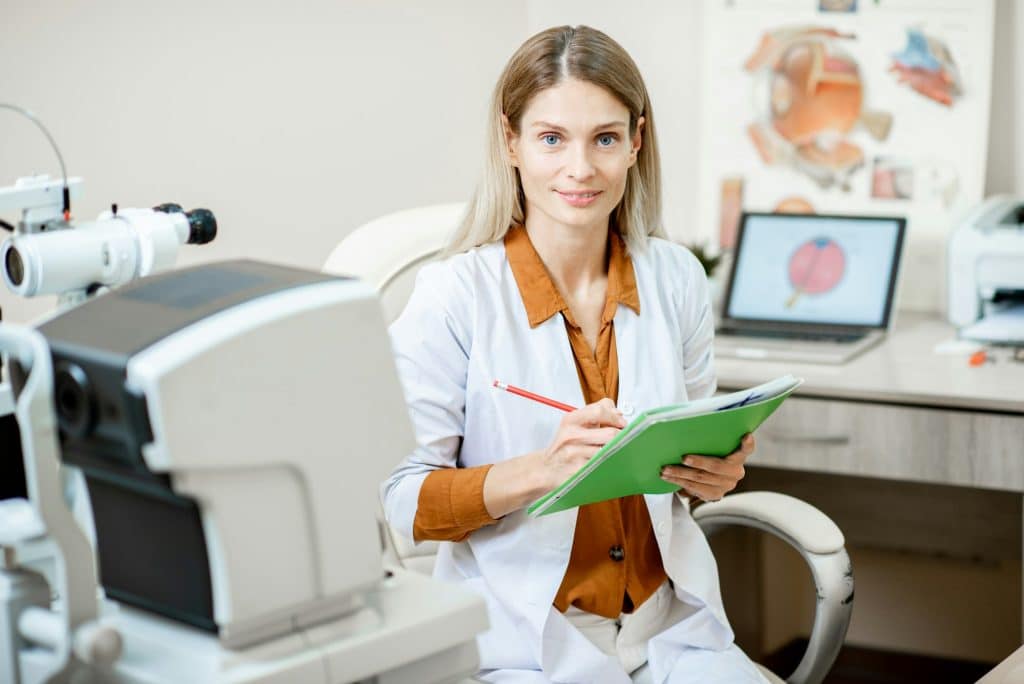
(859,107)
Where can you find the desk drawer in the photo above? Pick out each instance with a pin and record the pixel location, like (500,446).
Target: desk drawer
(896,442)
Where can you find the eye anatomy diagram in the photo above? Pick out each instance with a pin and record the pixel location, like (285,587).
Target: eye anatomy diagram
(816,267)
(926,65)
(847,107)
(809,93)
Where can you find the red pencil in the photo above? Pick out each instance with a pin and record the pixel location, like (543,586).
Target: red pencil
(530,395)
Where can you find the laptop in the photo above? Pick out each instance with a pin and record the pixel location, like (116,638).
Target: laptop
(805,287)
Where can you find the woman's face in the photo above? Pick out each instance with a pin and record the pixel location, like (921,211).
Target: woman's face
(573,152)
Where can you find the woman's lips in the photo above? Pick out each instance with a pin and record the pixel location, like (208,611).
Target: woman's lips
(579,198)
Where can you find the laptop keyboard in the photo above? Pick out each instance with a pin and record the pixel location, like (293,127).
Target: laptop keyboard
(788,335)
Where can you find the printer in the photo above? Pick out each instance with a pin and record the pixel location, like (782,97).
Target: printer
(232,422)
(986,272)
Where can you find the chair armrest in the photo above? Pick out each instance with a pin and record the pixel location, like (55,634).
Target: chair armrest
(821,544)
(796,521)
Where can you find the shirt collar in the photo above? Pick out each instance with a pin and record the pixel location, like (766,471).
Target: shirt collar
(540,296)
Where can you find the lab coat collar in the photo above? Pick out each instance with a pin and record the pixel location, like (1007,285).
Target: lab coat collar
(539,293)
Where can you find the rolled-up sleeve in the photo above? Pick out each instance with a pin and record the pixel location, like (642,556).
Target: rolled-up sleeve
(431,341)
(451,505)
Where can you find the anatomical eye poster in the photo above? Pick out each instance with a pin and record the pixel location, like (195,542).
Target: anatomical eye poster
(852,107)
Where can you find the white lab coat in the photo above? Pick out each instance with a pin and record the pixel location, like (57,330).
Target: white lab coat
(465,326)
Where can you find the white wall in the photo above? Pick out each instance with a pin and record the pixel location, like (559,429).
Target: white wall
(1006,130)
(293,122)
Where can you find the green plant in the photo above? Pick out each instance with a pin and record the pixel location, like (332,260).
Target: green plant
(707,260)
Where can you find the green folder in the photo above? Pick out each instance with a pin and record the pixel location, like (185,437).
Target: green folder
(631,462)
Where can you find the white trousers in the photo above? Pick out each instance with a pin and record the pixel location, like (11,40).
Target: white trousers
(627,635)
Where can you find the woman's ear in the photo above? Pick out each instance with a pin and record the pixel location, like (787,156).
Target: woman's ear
(510,140)
(637,140)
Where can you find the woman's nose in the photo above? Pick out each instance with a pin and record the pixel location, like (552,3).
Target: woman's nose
(580,166)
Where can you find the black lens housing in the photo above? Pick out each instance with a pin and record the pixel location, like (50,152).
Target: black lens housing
(15,266)
(75,399)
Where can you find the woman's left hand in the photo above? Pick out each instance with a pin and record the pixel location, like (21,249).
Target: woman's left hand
(709,478)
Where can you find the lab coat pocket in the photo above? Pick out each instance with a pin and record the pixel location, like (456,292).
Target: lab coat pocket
(504,645)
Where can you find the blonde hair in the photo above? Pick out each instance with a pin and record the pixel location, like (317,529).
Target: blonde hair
(543,61)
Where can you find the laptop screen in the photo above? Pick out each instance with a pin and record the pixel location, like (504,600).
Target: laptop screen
(820,270)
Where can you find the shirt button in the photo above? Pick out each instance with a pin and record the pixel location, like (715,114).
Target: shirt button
(616,553)
(627,410)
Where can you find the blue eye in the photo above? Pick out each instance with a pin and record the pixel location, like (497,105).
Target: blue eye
(606,140)
(550,139)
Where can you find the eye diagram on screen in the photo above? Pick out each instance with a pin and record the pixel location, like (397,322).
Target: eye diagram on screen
(816,267)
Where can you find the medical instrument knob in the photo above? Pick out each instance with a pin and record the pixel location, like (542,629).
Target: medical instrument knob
(202,226)
(169,208)
(98,644)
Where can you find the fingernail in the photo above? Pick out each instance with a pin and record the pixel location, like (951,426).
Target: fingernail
(687,461)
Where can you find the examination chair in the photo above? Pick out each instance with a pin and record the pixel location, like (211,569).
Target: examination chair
(387,253)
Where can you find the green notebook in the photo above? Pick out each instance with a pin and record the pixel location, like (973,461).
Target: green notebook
(631,462)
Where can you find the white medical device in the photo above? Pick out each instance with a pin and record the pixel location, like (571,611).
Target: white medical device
(44,257)
(986,262)
(48,255)
(232,422)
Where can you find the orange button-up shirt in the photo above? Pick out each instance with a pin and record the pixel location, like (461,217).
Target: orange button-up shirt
(615,564)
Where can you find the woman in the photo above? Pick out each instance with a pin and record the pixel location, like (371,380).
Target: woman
(556,282)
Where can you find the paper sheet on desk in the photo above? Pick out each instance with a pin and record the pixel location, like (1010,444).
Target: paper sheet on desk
(1001,327)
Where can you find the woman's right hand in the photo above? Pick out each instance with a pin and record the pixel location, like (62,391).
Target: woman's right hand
(515,483)
(580,435)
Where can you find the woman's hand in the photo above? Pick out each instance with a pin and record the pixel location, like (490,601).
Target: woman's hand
(580,435)
(514,483)
(709,478)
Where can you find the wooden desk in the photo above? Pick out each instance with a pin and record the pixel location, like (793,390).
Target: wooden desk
(899,411)
(906,449)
